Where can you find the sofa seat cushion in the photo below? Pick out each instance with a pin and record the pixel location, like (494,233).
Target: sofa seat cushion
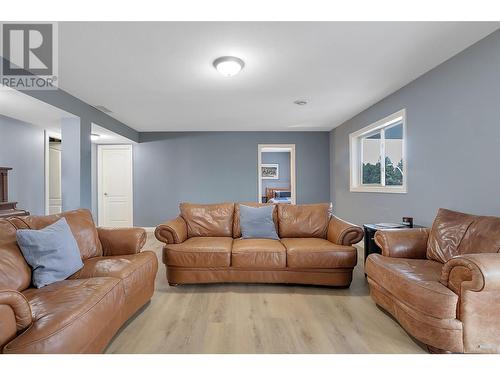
(258,253)
(199,252)
(318,253)
(69,315)
(414,282)
(135,270)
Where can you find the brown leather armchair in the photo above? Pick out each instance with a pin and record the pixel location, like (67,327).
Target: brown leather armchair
(80,314)
(443,284)
(204,245)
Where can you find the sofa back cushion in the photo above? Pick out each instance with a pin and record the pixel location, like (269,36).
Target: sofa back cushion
(15,273)
(208,220)
(303,220)
(456,233)
(236,220)
(81,224)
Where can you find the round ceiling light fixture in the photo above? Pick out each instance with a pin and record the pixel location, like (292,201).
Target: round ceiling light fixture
(228,66)
(300,102)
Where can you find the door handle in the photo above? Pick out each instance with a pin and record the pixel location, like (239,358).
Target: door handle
(105,194)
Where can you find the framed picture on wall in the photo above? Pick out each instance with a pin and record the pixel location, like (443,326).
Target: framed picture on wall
(270,171)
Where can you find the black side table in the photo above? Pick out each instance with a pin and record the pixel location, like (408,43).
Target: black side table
(370,229)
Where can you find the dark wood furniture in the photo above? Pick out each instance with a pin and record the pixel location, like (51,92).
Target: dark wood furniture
(4,186)
(7,209)
(370,229)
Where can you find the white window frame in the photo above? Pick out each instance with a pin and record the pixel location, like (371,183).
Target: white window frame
(355,156)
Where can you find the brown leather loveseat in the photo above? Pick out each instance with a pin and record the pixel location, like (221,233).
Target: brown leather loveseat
(204,245)
(443,284)
(80,314)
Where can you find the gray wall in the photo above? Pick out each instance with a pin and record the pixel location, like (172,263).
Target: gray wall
(208,167)
(76,166)
(283,160)
(81,158)
(453,131)
(77,171)
(22,148)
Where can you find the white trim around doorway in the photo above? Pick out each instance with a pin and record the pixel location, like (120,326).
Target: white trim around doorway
(277,147)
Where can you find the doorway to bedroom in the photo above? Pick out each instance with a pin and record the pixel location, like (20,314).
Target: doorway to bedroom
(276,173)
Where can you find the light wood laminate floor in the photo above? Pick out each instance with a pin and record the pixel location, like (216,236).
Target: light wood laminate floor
(253,318)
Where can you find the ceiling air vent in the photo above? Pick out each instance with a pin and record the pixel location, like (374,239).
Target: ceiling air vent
(103,109)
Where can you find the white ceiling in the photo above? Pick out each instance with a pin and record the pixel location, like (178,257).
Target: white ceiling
(158,76)
(15,104)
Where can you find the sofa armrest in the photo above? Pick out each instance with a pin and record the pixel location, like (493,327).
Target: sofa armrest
(172,231)
(341,232)
(19,304)
(475,278)
(121,241)
(15,315)
(403,243)
(474,272)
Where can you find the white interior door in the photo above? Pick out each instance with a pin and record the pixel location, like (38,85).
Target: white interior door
(55,196)
(114,185)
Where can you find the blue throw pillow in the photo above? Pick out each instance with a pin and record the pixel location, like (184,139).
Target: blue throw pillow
(257,222)
(52,252)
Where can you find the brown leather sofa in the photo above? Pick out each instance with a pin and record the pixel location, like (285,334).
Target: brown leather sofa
(442,284)
(80,314)
(204,245)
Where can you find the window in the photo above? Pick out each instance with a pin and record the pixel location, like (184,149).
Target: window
(378,157)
